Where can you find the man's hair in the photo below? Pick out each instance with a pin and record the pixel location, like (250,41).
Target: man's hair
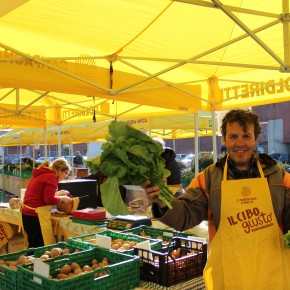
(244,118)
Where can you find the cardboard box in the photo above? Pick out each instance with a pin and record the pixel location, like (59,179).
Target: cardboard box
(16,243)
(3,250)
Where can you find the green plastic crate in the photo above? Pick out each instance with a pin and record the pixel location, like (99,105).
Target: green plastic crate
(164,235)
(63,245)
(123,273)
(82,241)
(8,277)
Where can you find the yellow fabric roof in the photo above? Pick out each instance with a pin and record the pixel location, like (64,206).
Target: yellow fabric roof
(61,59)
(167,127)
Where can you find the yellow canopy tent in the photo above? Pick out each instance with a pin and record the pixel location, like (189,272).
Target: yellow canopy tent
(128,58)
(184,55)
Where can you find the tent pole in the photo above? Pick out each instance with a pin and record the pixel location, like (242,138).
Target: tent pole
(214,143)
(71,153)
(45,142)
(20,163)
(3,177)
(196,149)
(33,154)
(58,142)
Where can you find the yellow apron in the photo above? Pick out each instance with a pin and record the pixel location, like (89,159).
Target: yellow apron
(44,216)
(247,251)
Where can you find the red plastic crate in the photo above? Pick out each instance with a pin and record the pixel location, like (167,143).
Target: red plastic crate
(89,214)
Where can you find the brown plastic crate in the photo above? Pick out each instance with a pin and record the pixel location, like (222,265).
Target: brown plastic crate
(161,268)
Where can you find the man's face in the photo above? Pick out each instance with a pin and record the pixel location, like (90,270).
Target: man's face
(240,145)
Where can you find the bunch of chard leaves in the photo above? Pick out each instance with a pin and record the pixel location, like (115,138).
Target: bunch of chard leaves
(130,156)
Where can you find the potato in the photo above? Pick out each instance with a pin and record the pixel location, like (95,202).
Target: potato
(55,252)
(44,257)
(61,276)
(65,251)
(65,269)
(95,266)
(87,268)
(94,261)
(78,271)
(29,260)
(21,259)
(115,247)
(126,246)
(47,253)
(12,263)
(74,266)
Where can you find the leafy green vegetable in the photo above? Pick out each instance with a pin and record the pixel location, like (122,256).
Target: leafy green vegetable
(286,238)
(93,164)
(130,156)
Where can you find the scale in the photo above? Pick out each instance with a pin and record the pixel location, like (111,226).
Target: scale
(124,222)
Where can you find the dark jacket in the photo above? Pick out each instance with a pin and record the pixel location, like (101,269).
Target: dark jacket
(172,165)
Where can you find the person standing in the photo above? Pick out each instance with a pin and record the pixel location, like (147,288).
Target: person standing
(245,197)
(78,159)
(169,156)
(40,195)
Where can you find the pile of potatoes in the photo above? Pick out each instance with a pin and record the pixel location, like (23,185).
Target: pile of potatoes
(74,269)
(118,244)
(54,252)
(21,260)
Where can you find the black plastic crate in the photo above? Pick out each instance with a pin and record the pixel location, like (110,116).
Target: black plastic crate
(123,272)
(162,268)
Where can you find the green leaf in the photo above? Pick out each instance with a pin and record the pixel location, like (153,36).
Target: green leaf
(131,156)
(111,197)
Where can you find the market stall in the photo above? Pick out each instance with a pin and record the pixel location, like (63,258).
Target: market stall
(66,228)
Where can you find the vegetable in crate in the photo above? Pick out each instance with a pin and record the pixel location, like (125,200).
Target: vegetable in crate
(130,155)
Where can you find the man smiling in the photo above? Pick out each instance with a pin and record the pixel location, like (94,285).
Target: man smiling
(245,197)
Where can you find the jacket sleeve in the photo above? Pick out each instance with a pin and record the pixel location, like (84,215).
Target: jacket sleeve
(286,210)
(188,210)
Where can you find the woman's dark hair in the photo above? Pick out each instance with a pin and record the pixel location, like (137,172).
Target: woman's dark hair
(243,117)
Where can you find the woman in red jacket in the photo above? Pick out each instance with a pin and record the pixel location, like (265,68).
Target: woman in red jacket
(39,198)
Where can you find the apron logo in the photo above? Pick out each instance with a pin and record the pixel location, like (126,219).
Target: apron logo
(251,220)
(245,191)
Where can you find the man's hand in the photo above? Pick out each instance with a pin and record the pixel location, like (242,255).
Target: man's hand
(152,192)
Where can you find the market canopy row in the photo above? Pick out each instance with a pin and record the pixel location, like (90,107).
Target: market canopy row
(66,62)
(166,127)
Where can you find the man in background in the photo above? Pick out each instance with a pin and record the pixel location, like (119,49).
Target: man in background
(78,160)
